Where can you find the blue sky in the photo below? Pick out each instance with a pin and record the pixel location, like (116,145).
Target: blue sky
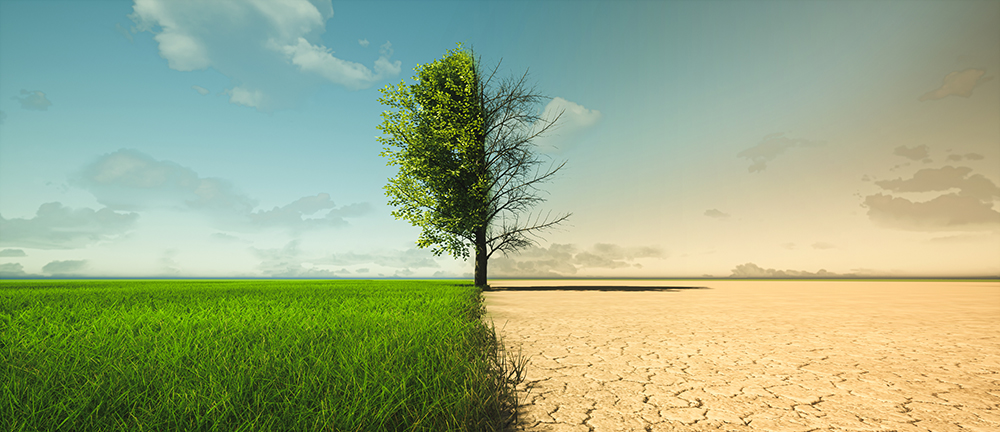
(237,139)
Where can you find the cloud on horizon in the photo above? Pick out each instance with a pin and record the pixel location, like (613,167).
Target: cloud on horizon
(58,227)
(290,261)
(751,270)
(957,84)
(12,253)
(273,50)
(565,259)
(34,100)
(11,270)
(64,268)
(770,147)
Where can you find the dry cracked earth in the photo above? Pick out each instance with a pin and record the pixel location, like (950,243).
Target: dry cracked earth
(755,355)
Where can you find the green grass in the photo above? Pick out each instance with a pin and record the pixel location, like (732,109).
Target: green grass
(251,355)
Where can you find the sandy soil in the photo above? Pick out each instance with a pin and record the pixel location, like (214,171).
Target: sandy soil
(756,356)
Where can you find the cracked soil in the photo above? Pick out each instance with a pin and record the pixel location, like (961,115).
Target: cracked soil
(755,355)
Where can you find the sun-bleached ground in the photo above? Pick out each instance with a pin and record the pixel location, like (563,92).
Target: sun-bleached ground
(755,355)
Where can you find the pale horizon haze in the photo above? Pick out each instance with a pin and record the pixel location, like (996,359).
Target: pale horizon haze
(158,138)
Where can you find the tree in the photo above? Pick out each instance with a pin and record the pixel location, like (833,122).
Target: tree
(467,170)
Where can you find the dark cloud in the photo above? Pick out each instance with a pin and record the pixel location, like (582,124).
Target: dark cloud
(971,208)
(131,180)
(33,100)
(12,253)
(957,84)
(562,260)
(969,156)
(772,146)
(915,153)
(946,212)
(57,227)
(713,213)
(69,267)
(11,270)
(943,179)
(751,270)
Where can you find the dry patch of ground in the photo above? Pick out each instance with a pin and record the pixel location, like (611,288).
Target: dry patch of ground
(756,356)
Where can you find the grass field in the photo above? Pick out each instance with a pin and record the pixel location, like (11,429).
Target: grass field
(251,355)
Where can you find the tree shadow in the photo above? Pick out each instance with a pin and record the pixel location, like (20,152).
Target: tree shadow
(595,288)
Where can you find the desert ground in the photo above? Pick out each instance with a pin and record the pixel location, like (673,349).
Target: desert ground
(753,355)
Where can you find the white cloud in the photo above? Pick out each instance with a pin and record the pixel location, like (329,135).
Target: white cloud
(957,84)
(363,42)
(33,100)
(242,96)
(574,118)
(131,180)
(319,60)
(264,46)
(772,146)
(293,215)
(57,227)
(201,90)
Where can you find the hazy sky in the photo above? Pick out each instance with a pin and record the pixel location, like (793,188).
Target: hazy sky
(237,138)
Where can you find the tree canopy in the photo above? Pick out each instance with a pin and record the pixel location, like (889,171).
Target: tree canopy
(465,159)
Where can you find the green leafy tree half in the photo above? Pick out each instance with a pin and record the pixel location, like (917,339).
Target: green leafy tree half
(467,167)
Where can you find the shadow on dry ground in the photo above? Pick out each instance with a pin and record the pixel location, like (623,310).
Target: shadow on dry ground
(594,288)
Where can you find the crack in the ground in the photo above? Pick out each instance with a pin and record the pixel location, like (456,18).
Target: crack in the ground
(589,427)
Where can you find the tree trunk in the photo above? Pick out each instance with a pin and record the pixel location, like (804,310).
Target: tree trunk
(481,259)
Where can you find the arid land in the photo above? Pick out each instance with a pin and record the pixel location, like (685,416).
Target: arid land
(754,355)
